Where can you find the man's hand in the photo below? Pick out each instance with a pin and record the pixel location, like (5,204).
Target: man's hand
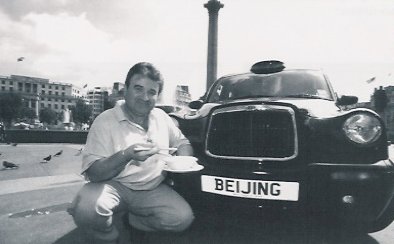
(141,155)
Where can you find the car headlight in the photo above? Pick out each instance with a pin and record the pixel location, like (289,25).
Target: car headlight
(362,128)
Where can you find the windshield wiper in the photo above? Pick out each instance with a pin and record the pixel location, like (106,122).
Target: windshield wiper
(308,96)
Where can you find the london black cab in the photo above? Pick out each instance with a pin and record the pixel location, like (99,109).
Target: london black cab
(277,139)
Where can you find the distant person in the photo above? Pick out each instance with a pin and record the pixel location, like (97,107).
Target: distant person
(2,132)
(122,179)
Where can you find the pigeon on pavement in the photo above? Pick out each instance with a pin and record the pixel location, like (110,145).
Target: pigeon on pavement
(10,165)
(46,159)
(58,153)
(79,152)
(14,144)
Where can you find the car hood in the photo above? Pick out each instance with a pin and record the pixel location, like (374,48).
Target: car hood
(312,107)
(315,107)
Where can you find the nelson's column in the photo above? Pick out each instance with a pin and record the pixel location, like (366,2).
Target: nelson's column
(213,7)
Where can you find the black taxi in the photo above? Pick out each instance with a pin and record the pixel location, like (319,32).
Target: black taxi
(276,140)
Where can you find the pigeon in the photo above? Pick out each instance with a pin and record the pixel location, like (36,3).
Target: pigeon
(10,165)
(79,152)
(58,153)
(14,144)
(46,159)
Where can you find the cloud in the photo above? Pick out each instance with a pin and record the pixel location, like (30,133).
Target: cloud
(95,42)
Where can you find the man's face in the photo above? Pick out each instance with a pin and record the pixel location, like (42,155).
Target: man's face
(141,95)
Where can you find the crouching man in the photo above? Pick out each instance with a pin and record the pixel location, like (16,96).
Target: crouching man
(122,176)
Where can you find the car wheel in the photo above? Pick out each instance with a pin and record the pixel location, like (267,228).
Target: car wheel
(385,219)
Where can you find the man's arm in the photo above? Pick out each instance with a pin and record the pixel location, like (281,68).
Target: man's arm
(185,149)
(109,167)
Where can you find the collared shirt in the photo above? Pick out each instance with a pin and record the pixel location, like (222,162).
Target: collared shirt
(111,132)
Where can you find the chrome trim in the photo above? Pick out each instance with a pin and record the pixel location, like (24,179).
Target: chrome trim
(261,173)
(255,107)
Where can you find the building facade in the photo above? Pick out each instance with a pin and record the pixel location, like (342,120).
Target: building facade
(39,93)
(117,92)
(182,95)
(97,98)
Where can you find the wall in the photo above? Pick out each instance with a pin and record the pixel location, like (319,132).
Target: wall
(46,136)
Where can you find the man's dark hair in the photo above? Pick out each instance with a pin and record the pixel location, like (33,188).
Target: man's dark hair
(148,70)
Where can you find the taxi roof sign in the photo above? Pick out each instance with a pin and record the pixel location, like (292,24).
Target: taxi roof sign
(267,67)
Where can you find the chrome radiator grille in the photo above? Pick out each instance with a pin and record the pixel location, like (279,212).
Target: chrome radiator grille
(253,132)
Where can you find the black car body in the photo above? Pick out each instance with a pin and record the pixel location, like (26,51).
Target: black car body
(276,140)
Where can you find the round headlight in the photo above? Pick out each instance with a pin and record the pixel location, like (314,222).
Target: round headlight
(362,128)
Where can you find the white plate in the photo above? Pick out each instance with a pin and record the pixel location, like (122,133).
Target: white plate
(198,167)
(180,159)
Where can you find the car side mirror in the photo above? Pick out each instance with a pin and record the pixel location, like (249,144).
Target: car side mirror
(196,104)
(347,100)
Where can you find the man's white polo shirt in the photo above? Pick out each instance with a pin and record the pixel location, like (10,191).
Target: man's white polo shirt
(111,132)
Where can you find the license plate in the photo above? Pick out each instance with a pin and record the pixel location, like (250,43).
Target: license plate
(257,189)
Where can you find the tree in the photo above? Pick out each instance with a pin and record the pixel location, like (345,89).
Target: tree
(28,113)
(81,112)
(48,116)
(10,106)
(380,99)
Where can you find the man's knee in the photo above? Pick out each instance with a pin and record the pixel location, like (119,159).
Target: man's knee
(186,219)
(178,220)
(84,208)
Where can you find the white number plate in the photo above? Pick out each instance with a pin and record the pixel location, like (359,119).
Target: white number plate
(274,190)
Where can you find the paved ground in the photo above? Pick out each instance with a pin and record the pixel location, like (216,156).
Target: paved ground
(34,199)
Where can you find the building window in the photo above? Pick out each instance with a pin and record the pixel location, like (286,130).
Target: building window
(56,87)
(49,105)
(50,92)
(43,92)
(63,88)
(55,99)
(42,86)
(3,88)
(42,105)
(11,89)
(50,87)
(3,82)
(62,106)
(63,94)
(56,107)
(57,93)
(62,100)
(20,86)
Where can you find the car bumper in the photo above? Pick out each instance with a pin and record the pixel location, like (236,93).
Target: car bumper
(351,192)
(347,192)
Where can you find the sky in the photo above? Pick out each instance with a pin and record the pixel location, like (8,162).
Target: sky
(95,42)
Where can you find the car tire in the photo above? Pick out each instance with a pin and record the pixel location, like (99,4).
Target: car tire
(385,219)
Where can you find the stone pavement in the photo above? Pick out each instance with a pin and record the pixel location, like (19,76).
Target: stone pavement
(34,197)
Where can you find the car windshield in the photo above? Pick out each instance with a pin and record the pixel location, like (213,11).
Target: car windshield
(292,83)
